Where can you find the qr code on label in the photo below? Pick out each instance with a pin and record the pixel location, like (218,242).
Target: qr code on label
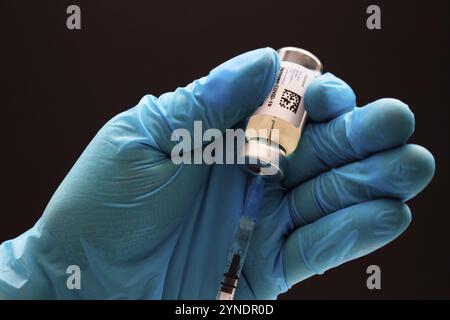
(290,100)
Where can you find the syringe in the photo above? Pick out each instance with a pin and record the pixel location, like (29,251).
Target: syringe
(241,241)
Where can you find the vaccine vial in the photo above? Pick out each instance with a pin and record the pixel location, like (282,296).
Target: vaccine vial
(274,129)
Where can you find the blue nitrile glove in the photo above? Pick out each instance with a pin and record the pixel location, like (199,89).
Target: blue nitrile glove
(139,226)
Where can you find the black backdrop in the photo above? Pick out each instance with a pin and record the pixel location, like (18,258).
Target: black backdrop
(59,87)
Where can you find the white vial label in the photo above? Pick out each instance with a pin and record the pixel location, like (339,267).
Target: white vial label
(286,98)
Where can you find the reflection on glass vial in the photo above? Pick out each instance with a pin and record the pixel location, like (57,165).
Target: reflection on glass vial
(274,130)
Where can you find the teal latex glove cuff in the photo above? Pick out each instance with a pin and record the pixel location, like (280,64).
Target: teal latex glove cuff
(141,227)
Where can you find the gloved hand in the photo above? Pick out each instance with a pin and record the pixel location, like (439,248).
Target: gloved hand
(139,226)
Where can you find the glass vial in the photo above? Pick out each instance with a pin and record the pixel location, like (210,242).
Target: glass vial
(274,130)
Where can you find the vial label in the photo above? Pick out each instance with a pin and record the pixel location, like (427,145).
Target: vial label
(286,98)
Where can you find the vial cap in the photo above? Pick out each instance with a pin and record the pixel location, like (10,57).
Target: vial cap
(262,159)
(300,56)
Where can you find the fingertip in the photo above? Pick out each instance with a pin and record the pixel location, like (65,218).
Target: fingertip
(261,65)
(395,116)
(234,89)
(405,217)
(380,125)
(420,164)
(258,67)
(392,218)
(399,173)
(327,97)
(400,111)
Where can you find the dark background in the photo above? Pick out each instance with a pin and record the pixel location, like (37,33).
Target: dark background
(58,87)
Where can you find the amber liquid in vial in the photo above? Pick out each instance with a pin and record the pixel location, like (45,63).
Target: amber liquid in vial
(288,134)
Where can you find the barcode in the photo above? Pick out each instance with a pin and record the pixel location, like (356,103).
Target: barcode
(290,100)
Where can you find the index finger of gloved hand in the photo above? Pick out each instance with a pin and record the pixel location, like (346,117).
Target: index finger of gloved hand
(342,236)
(380,125)
(230,92)
(328,97)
